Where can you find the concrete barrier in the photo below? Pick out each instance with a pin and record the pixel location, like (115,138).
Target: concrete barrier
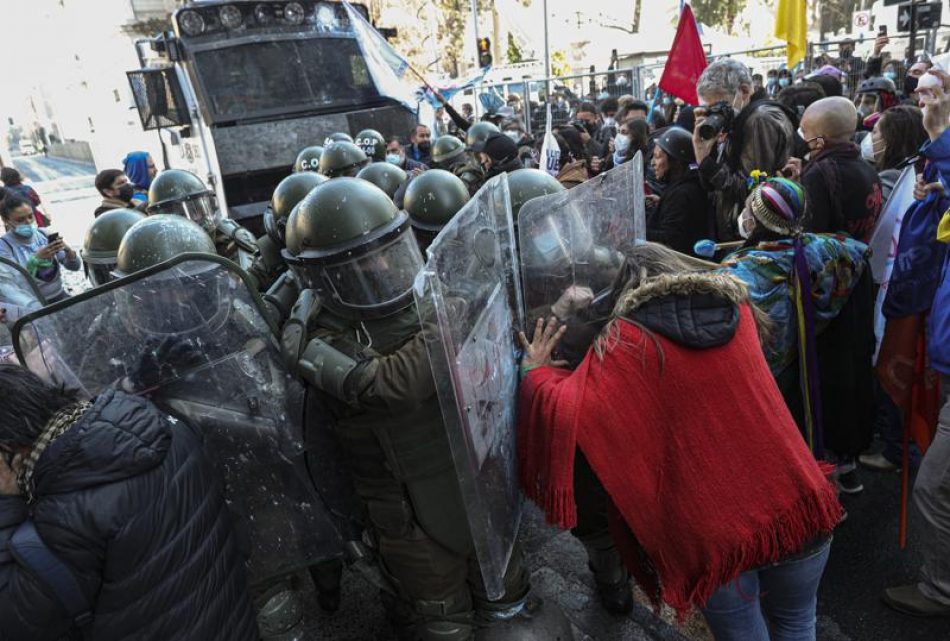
(74,150)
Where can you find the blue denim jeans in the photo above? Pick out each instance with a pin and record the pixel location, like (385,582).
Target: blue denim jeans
(781,598)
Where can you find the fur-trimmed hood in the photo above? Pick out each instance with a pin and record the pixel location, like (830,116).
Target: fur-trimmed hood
(695,309)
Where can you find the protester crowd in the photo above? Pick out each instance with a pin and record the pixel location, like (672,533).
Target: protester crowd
(758,293)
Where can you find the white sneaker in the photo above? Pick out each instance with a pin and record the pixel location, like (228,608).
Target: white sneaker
(877,462)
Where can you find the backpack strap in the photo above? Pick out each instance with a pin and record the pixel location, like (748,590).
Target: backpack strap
(30,551)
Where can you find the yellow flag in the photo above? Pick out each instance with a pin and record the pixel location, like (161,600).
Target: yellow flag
(792,27)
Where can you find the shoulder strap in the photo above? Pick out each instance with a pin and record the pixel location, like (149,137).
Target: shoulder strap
(30,551)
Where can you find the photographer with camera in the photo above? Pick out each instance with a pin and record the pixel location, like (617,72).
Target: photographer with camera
(735,135)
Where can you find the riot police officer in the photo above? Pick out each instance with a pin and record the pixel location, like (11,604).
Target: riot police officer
(525,184)
(181,193)
(364,351)
(101,243)
(203,298)
(268,266)
(308,159)
(373,144)
(448,152)
(337,136)
(342,159)
(479,132)
(431,200)
(384,175)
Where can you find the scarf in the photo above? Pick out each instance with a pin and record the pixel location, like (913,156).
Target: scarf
(703,490)
(56,427)
(802,283)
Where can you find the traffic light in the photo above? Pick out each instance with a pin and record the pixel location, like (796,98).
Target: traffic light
(484,52)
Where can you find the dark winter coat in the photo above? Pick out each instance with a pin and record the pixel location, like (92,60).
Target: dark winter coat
(683,215)
(126,499)
(843,192)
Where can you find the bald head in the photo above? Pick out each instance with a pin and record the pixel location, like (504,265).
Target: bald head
(833,118)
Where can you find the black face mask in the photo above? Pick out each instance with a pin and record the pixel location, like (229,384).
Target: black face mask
(126,192)
(910,84)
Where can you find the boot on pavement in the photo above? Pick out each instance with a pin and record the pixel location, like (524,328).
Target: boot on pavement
(908,599)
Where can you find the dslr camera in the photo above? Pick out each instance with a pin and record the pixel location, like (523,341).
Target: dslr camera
(719,118)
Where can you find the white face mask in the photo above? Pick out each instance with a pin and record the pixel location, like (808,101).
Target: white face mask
(514,135)
(394,159)
(621,143)
(610,122)
(745,224)
(867,148)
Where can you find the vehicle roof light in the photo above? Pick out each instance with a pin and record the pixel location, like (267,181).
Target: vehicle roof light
(294,13)
(191,23)
(230,16)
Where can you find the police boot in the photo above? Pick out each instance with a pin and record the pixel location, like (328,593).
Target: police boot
(280,613)
(529,620)
(613,581)
(430,620)
(326,579)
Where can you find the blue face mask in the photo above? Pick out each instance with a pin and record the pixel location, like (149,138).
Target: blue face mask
(393,159)
(890,75)
(783,82)
(25,230)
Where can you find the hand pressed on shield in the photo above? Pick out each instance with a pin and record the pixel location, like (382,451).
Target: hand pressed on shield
(538,351)
(574,299)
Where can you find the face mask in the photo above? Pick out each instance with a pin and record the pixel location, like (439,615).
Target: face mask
(514,135)
(890,75)
(610,122)
(424,147)
(394,159)
(867,148)
(863,113)
(772,81)
(667,101)
(910,84)
(25,230)
(746,225)
(621,144)
(783,82)
(126,192)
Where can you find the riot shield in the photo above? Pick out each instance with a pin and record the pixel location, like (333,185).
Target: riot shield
(578,237)
(19,293)
(191,334)
(469,302)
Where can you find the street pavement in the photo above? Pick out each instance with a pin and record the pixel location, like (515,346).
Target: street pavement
(67,189)
(865,558)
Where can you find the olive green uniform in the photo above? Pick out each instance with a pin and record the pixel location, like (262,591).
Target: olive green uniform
(391,426)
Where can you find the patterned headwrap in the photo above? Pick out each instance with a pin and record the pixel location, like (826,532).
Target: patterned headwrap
(779,205)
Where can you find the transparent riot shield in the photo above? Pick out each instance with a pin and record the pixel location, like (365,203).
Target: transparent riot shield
(579,237)
(192,335)
(469,302)
(19,293)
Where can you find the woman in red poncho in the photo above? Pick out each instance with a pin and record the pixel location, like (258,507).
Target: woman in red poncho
(715,497)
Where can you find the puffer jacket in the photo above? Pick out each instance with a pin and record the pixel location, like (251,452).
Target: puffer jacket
(126,499)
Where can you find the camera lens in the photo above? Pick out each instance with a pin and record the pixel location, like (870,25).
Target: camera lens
(711,126)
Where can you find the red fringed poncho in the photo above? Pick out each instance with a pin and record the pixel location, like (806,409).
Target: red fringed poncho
(696,449)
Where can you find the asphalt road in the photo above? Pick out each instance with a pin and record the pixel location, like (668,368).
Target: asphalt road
(39,168)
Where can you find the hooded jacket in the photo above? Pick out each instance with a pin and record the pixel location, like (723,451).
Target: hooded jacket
(127,501)
(704,489)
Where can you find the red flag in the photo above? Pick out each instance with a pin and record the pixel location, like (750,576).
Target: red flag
(686,61)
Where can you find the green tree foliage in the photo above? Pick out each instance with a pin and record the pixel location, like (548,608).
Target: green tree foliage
(514,51)
(720,14)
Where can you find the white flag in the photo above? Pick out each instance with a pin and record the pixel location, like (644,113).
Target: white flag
(385,65)
(550,150)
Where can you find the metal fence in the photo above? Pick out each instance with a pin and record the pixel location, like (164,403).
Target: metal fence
(529,96)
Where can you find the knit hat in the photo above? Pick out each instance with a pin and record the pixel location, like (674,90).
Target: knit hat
(779,205)
(497,146)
